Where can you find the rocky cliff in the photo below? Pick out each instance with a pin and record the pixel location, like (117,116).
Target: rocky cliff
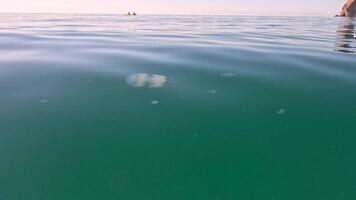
(349,9)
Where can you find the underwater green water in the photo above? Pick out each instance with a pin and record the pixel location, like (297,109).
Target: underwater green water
(177,107)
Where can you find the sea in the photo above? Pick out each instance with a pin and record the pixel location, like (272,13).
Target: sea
(177,107)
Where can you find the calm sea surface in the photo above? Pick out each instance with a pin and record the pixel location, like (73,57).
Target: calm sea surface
(177,107)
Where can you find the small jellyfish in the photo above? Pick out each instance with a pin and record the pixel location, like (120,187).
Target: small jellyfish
(154,102)
(228,75)
(213,91)
(281,111)
(43,101)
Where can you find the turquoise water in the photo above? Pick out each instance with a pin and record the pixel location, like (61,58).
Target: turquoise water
(177,107)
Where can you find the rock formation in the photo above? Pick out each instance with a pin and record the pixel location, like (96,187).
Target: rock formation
(349,9)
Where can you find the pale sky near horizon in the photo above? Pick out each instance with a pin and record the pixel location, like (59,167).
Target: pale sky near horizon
(253,7)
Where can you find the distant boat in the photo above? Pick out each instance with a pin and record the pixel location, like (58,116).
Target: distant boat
(129,14)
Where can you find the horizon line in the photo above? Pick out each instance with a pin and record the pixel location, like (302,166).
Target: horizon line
(281,14)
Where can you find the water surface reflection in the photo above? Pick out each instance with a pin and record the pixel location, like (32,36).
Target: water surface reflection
(346,37)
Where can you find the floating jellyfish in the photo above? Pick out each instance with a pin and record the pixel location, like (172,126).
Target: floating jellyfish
(213,91)
(281,111)
(228,75)
(156,81)
(155,102)
(137,80)
(43,101)
(143,79)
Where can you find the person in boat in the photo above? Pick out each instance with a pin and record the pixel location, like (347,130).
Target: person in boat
(128,13)
(349,9)
(134,13)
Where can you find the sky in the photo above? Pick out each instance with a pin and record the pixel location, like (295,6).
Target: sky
(230,7)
